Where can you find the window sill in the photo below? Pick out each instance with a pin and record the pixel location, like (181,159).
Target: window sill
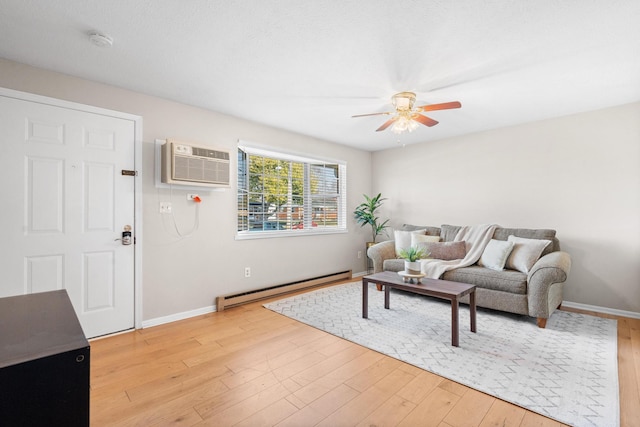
(278,234)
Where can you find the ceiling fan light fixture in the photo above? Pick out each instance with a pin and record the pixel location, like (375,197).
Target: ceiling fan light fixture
(403,101)
(398,128)
(406,117)
(403,124)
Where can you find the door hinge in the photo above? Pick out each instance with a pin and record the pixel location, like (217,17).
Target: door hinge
(127,172)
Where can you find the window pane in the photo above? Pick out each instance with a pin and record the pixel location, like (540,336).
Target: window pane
(280,195)
(324,179)
(243,212)
(325,211)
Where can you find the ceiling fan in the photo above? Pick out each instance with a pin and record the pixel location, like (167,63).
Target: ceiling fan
(406,117)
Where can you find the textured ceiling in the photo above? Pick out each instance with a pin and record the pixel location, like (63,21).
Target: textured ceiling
(308,66)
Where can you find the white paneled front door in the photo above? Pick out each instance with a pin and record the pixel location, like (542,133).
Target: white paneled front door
(65,202)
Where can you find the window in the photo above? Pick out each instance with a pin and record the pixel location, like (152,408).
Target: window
(284,194)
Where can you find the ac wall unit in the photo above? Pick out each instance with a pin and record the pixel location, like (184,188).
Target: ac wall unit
(187,164)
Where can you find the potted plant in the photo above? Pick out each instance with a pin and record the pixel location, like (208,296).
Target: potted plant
(366,212)
(412,257)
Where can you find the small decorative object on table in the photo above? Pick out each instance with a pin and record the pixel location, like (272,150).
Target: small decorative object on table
(409,277)
(412,270)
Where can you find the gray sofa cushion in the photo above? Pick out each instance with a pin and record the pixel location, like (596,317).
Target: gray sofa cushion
(431,231)
(505,280)
(448,232)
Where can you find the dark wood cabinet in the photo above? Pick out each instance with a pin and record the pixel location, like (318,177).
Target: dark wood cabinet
(44,362)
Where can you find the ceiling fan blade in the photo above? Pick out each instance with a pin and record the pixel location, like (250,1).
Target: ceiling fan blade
(443,106)
(387,124)
(427,121)
(372,114)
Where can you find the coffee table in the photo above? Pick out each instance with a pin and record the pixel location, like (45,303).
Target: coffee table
(444,289)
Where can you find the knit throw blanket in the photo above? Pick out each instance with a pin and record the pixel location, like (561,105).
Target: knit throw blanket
(476,238)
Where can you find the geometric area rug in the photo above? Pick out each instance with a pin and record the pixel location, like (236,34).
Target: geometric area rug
(567,371)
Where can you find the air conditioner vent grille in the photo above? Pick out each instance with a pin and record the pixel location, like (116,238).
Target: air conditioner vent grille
(191,165)
(206,152)
(200,170)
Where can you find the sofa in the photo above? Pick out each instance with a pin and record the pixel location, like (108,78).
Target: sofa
(536,292)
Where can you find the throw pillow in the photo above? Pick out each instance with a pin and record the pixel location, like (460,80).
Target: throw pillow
(403,239)
(525,253)
(421,238)
(445,251)
(528,233)
(495,254)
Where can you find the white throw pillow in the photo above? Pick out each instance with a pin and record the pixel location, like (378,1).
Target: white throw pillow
(403,239)
(525,253)
(495,254)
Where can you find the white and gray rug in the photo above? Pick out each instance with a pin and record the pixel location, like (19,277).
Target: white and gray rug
(567,371)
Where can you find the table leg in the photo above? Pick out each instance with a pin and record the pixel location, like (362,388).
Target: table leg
(454,322)
(365,299)
(472,309)
(386,296)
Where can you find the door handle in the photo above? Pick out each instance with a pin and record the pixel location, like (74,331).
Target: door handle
(126,236)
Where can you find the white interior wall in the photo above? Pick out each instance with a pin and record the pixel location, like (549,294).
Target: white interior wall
(579,175)
(185,275)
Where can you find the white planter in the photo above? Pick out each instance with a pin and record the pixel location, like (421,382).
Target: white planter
(412,267)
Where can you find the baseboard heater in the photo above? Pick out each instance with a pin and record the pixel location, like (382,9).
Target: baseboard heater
(234,300)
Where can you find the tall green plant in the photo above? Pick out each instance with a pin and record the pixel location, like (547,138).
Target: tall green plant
(366,213)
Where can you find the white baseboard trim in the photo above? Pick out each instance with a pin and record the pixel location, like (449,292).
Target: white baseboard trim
(598,309)
(177,316)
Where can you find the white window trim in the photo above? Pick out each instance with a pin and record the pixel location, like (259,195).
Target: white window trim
(266,151)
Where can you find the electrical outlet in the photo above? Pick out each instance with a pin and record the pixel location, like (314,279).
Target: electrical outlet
(359,254)
(247,272)
(165,208)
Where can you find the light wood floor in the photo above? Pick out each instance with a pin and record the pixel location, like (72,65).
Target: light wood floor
(248,366)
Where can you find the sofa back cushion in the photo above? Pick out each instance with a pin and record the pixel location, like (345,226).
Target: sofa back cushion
(429,230)
(448,233)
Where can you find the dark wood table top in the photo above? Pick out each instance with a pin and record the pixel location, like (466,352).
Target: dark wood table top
(434,287)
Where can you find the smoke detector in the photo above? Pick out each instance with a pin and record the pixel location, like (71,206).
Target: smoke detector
(100,40)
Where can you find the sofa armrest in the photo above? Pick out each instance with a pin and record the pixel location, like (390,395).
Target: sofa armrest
(551,269)
(381,251)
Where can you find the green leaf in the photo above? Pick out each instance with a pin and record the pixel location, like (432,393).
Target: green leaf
(413,253)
